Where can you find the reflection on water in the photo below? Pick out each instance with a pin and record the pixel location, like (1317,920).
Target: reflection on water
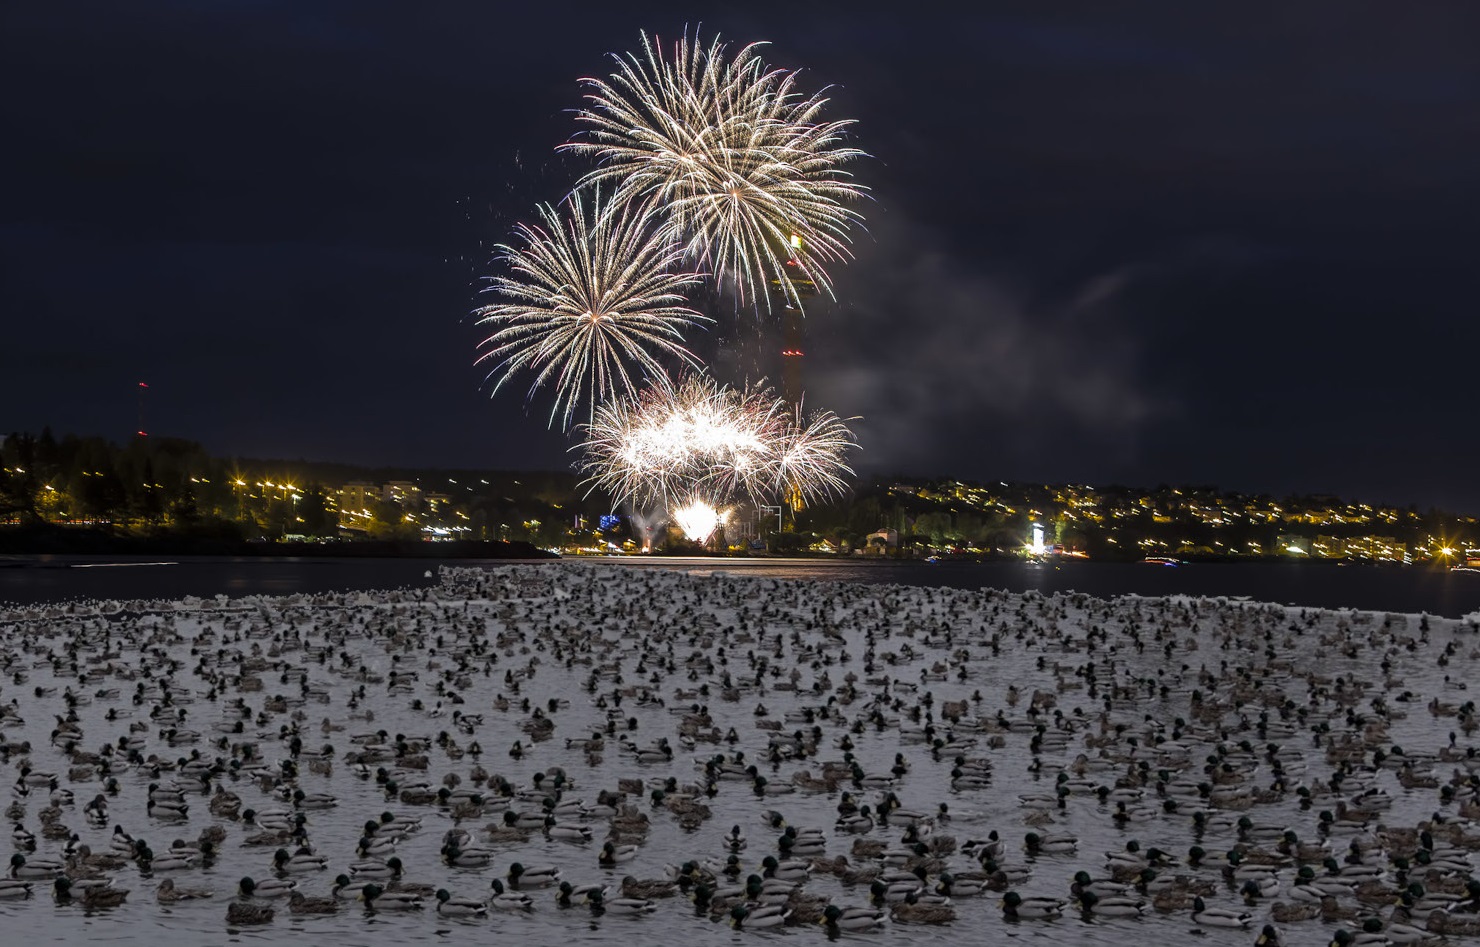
(1413,589)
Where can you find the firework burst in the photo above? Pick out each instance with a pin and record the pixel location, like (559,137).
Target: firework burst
(592,304)
(699,440)
(735,155)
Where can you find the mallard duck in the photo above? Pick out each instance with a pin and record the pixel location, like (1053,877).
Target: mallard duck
(567,833)
(377,898)
(1101,887)
(267,888)
(1269,936)
(37,869)
(460,907)
(567,894)
(644,888)
(168,892)
(600,904)
(521,877)
(1051,844)
(954,887)
(13,889)
(1015,906)
(851,919)
(298,903)
(242,912)
(373,869)
(613,854)
(1346,938)
(298,862)
(1218,917)
(912,910)
(734,840)
(1286,912)
(508,900)
(466,858)
(758,917)
(1112,905)
(347,890)
(793,869)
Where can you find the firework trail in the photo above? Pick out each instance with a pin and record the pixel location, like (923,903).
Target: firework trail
(736,156)
(592,304)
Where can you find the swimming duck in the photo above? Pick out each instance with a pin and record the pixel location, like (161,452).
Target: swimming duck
(14,889)
(298,903)
(242,912)
(915,910)
(1218,917)
(377,898)
(508,900)
(168,892)
(1112,905)
(613,854)
(851,919)
(759,917)
(1052,844)
(600,903)
(459,907)
(521,877)
(268,888)
(298,862)
(38,869)
(1015,906)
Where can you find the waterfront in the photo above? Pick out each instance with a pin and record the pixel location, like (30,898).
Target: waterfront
(1319,585)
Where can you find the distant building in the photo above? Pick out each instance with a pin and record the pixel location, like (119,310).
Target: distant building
(356,502)
(886,538)
(404,493)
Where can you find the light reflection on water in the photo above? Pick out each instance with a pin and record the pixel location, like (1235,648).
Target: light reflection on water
(576,594)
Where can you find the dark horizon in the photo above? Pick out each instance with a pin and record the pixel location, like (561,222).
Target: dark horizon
(1138,245)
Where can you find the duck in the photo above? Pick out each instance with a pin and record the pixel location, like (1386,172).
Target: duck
(914,910)
(836,918)
(15,889)
(1269,936)
(1112,905)
(521,877)
(168,892)
(1218,917)
(377,898)
(502,900)
(243,912)
(758,917)
(601,904)
(299,903)
(613,854)
(1016,906)
(459,907)
(298,862)
(268,888)
(34,869)
(1051,844)
(952,887)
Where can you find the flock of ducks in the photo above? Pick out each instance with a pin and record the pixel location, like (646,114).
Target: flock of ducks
(600,741)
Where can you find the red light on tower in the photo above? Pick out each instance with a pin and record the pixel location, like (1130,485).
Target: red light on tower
(143,387)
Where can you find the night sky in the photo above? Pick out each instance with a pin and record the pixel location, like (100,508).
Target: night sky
(1161,242)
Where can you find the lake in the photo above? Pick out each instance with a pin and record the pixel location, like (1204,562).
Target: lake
(1322,585)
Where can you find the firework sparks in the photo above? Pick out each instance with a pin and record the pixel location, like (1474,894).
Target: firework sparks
(698,520)
(703,440)
(593,302)
(735,155)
